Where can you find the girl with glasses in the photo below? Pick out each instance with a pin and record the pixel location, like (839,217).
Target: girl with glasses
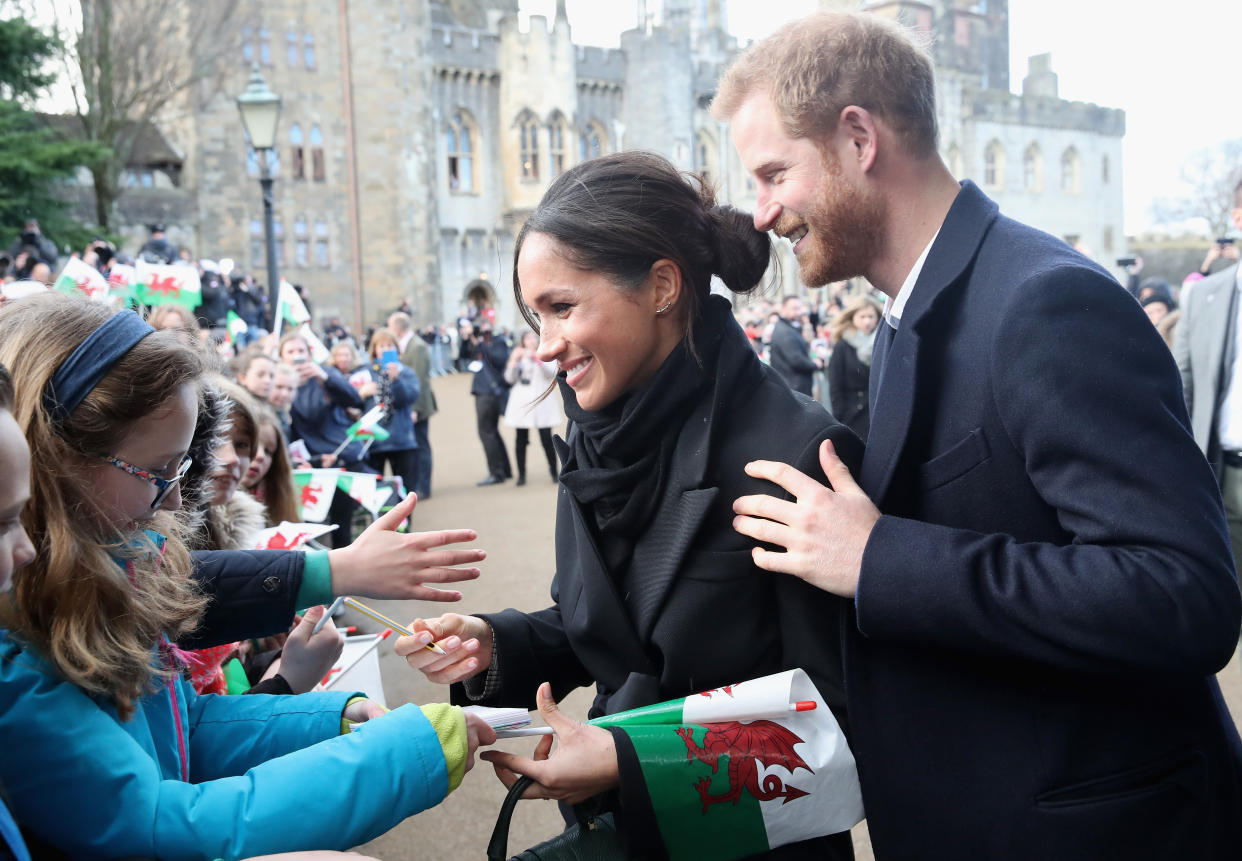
(109,753)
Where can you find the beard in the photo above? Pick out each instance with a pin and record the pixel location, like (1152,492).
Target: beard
(844,231)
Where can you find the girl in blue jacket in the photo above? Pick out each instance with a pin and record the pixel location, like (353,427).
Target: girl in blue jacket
(108,752)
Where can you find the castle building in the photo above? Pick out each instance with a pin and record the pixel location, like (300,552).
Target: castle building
(417,135)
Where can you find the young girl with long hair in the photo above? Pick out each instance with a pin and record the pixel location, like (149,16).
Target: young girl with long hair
(109,753)
(270,476)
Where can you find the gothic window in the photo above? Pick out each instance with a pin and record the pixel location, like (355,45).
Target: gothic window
(1070,170)
(291,49)
(556,146)
(459,141)
(279,233)
(257,256)
(705,157)
(1033,169)
(297,165)
(301,243)
(248,45)
(528,149)
(994,165)
(252,160)
(321,244)
(1107,240)
(265,46)
(592,142)
(1104,167)
(308,51)
(316,147)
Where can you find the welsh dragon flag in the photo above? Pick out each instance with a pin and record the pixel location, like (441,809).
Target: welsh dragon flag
(290,536)
(365,489)
(744,768)
(121,280)
(290,305)
(315,489)
(79,279)
(236,325)
(319,353)
(167,285)
(368,427)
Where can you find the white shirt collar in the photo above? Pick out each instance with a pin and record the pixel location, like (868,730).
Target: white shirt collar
(897,307)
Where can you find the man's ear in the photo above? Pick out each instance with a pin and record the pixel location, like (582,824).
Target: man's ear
(858,134)
(666,282)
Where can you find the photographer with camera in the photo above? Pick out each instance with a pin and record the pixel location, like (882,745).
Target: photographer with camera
(1224,248)
(32,248)
(488,357)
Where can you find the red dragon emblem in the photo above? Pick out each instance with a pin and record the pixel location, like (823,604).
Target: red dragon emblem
(166,285)
(747,745)
(310,494)
(728,689)
(278,541)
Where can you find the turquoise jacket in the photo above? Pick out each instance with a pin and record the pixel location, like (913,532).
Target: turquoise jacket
(203,777)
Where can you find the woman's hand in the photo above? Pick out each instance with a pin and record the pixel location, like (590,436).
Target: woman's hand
(477,732)
(467,640)
(308,657)
(393,370)
(384,563)
(585,763)
(367,390)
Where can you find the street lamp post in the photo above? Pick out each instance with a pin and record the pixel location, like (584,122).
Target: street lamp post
(260,112)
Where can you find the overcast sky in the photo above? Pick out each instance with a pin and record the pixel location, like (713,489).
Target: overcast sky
(1172,69)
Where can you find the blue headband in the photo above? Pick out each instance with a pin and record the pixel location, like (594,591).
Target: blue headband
(90,362)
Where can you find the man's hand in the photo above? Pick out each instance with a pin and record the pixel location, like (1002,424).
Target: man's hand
(384,563)
(824,531)
(585,763)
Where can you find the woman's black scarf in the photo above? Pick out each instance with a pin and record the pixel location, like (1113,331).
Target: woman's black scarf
(620,457)
(379,373)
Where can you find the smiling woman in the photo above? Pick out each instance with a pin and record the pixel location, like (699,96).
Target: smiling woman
(667,403)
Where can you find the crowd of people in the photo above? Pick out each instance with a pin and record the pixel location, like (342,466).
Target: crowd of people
(1001,557)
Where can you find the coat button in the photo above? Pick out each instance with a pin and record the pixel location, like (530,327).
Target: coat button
(271,585)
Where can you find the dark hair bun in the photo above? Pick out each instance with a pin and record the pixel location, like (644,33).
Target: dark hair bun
(740,253)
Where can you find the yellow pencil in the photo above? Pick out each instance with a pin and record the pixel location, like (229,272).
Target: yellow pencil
(384,620)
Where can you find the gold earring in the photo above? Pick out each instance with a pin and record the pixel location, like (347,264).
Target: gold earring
(665,308)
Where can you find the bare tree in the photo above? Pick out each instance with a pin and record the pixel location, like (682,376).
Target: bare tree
(129,61)
(1209,177)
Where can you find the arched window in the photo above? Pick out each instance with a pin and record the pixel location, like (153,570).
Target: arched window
(321,243)
(252,159)
(994,165)
(297,162)
(247,45)
(459,144)
(265,46)
(592,142)
(317,160)
(528,148)
(308,51)
(291,49)
(556,145)
(705,157)
(1033,169)
(301,243)
(1070,171)
(1104,169)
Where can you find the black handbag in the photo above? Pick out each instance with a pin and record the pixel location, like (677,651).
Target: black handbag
(595,840)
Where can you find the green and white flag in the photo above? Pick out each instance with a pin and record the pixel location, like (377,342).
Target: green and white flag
(364,488)
(236,325)
(121,281)
(368,427)
(80,279)
(744,768)
(315,489)
(290,305)
(167,285)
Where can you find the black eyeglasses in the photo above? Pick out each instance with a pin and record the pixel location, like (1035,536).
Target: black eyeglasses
(163,486)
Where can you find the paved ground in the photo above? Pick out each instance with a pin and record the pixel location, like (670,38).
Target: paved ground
(515,527)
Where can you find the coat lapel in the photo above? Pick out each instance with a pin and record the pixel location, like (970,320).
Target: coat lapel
(893,388)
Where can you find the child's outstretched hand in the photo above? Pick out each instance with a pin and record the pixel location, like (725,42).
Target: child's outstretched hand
(308,657)
(384,563)
(477,733)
